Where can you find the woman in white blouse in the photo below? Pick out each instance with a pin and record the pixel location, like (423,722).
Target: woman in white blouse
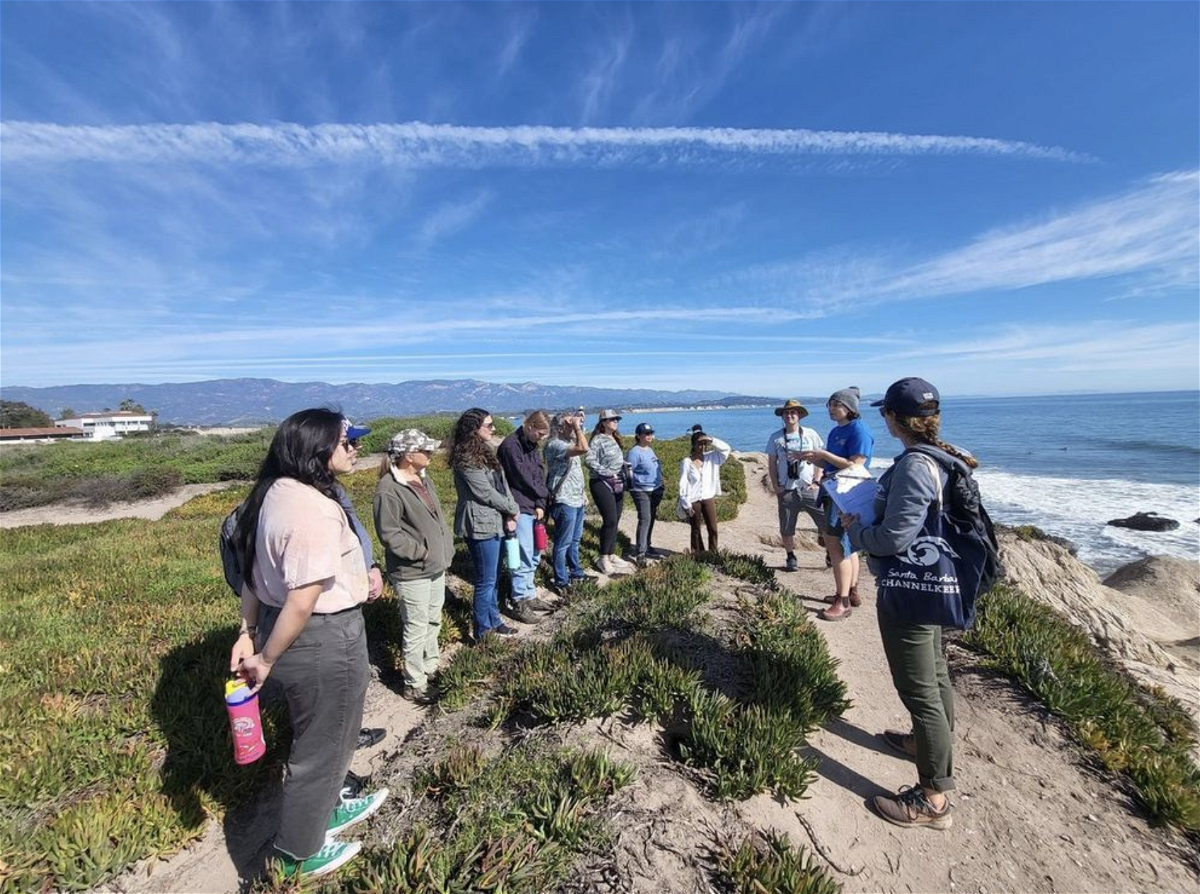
(700,485)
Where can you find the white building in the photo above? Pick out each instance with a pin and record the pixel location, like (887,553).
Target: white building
(98,426)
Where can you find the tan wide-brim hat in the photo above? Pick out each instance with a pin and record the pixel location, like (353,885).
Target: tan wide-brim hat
(610,414)
(791,405)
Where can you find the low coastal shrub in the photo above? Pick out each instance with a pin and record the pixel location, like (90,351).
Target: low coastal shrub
(632,648)
(114,745)
(1142,734)
(125,469)
(510,823)
(771,866)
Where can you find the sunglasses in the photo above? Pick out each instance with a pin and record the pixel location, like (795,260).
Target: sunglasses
(349,443)
(488,425)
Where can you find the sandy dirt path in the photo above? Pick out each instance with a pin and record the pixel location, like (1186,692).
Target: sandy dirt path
(1032,813)
(77,514)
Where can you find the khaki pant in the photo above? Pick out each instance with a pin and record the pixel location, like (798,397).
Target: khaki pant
(421,604)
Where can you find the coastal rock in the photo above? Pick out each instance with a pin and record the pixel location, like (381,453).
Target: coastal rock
(1171,585)
(1145,521)
(1147,621)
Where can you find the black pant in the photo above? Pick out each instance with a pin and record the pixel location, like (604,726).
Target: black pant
(646,502)
(704,511)
(609,506)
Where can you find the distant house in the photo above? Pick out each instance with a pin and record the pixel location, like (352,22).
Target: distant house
(57,433)
(98,426)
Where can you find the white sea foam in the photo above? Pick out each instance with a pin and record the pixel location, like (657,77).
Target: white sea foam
(1078,509)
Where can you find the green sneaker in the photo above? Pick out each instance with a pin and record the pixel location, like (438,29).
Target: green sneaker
(354,810)
(332,856)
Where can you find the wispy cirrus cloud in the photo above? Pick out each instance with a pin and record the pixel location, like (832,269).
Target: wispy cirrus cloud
(418,144)
(452,218)
(1149,233)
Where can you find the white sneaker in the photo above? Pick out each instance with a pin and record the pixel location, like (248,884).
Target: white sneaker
(620,566)
(604,565)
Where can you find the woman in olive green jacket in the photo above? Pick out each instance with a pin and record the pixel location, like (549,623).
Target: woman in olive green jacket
(418,548)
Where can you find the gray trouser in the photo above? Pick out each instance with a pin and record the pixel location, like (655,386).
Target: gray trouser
(323,676)
(647,505)
(421,604)
(922,680)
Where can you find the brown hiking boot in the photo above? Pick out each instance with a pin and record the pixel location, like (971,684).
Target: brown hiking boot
(855,599)
(910,808)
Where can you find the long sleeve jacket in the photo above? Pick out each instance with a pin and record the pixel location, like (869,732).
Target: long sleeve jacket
(604,458)
(524,470)
(483,502)
(906,491)
(416,541)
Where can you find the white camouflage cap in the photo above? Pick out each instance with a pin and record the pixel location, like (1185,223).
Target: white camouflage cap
(411,440)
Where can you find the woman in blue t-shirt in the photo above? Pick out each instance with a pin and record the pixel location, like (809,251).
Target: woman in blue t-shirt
(849,443)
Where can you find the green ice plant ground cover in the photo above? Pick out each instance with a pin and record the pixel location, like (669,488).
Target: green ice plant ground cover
(114,640)
(1140,733)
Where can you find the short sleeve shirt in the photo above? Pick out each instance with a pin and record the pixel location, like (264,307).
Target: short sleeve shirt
(305,538)
(558,464)
(851,439)
(781,443)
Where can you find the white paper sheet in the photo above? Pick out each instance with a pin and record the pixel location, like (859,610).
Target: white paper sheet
(854,495)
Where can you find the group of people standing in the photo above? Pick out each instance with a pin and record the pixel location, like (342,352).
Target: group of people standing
(538,473)
(308,569)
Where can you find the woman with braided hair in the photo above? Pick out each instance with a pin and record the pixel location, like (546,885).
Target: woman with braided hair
(907,492)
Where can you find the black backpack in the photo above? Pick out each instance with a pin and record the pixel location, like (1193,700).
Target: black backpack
(229,554)
(965,508)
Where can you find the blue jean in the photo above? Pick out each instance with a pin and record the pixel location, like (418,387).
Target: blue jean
(568,531)
(485,613)
(523,586)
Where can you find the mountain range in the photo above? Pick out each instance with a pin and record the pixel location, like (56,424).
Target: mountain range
(256,401)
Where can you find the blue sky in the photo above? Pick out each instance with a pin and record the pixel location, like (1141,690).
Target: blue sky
(776,198)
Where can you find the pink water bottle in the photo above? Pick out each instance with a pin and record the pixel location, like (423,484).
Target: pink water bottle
(539,536)
(244,722)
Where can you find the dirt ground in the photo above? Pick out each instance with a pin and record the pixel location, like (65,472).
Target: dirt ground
(1032,811)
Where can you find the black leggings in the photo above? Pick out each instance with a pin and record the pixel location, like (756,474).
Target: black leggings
(704,511)
(609,505)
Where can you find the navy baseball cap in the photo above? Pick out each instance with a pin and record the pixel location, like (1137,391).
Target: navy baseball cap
(353,432)
(643,428)
(910,397)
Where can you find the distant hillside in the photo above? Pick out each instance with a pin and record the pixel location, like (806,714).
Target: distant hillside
(251,401)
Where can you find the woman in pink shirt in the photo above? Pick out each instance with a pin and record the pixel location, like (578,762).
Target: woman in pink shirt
(302,626)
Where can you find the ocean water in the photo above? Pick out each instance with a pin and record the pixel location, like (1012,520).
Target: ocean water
(1067,464)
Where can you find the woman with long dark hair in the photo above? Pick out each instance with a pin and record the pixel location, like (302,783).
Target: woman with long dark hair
(605,460)
(907,491)
(302,626)
(485,512)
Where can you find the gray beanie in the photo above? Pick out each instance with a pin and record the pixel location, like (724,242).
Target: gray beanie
(847,397)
